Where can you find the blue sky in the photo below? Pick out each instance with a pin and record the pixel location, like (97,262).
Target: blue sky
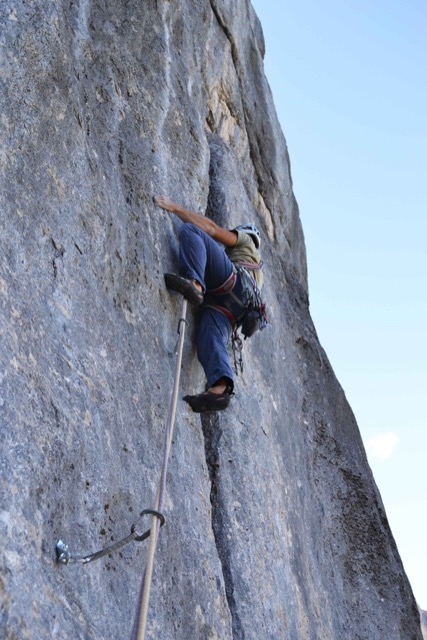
(349,80)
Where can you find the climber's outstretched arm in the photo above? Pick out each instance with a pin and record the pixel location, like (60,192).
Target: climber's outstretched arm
(227,238)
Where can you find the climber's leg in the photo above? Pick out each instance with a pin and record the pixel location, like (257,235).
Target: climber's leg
(213,335)
(212,339)
(201,259)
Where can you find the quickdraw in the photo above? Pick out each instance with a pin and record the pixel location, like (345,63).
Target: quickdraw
(237,346)
(64,556)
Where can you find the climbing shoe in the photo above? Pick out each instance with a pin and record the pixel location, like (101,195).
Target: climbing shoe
(208,401)
(184,286)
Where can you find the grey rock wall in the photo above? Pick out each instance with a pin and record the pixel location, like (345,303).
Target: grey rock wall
(275,528)
(423,616)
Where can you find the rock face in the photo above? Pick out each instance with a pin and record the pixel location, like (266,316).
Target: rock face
(275,528)
(423,616)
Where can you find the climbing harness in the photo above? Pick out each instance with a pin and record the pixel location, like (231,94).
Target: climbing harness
(63,554)
(251,266)
(226,286)
(246,311)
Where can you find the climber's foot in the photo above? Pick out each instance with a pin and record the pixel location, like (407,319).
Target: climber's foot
(208,401)
(216,398)
(190,289)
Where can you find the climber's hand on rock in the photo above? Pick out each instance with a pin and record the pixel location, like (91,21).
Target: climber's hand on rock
(164,203)
(185,215)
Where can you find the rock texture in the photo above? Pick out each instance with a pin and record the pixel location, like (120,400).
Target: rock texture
(275,528)
(423,616)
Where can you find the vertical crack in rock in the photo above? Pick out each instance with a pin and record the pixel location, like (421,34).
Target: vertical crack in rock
(115,95)
(227,33)
(212,434)
(263,174)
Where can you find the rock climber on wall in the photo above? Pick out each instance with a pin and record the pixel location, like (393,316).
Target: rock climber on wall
(226,282)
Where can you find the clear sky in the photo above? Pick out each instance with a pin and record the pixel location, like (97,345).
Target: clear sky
(349,80)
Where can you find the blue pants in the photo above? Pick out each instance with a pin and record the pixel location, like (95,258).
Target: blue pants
(202,259)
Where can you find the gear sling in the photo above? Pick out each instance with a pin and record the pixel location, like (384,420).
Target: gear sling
(239,299)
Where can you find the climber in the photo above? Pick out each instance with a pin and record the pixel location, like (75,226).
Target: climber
(224,283)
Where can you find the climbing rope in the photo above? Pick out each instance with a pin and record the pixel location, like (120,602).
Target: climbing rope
(63,554)
(140,624)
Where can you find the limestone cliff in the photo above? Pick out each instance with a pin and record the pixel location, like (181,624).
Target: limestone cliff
(423,616)
(275,528)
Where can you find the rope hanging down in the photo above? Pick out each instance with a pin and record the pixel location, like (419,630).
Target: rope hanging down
(63,554)
(140,624)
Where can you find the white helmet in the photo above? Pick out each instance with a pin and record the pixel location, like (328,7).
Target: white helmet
(252,231)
